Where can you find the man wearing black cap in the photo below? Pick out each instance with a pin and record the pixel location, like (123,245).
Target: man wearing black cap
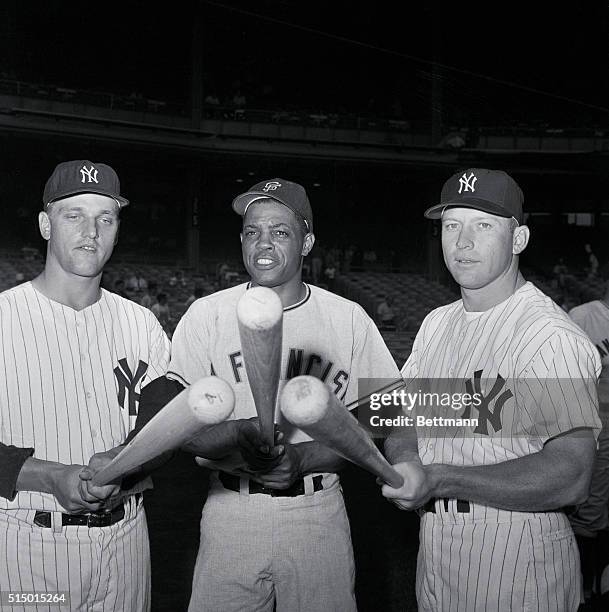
(74,360)
(492,485)
(279,537)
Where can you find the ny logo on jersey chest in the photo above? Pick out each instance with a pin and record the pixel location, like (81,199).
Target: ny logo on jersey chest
(496,395)
(128,382)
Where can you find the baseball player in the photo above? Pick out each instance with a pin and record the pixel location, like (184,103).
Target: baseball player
(74,360)
(494,535)
(280,538)
(591,517)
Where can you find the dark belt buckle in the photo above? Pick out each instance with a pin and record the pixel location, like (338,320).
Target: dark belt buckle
(102,519)
(462,505)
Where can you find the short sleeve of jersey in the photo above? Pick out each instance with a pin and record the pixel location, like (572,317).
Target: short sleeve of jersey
(372,361)
(557,388)
(410,369)
(190,346)
(579,316)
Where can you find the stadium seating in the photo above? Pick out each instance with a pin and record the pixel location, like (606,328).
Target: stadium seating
(414,295)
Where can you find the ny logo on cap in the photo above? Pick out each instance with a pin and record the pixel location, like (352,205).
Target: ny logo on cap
(466,183)
(271,186)
(89,173)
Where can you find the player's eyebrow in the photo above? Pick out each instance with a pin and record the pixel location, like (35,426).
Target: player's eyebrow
(76,208)
(273,225)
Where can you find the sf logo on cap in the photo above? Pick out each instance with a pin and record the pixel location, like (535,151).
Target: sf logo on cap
(271,186)
(466,183)
(90,174)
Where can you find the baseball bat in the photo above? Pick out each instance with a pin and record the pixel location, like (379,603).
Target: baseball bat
(207,402)
(260,318)
(309,405)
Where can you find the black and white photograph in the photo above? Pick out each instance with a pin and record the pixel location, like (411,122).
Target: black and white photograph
(304,306)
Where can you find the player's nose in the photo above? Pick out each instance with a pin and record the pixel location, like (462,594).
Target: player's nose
(90,228)
(264,240)
(464,239)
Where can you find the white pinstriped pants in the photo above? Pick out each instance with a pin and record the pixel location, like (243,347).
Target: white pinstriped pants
(527,564)
(105,569)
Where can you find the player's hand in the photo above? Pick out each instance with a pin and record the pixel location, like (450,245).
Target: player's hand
(259,456)
(109,495)
(69,492)
(285,473)
(416,490)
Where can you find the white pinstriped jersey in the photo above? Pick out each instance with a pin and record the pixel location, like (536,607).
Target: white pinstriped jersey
(72,379)
(543,370)
(547,364)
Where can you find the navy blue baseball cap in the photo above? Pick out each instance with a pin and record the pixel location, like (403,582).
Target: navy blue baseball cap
(82,176)
(291,195)
(493,191)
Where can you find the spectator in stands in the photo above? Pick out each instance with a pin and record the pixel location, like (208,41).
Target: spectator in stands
(330,272)
(131,283)
(385,316)
(239,100)
(348,258)
(199,292)
(19,277)
(119,288)
(148,299)
(161,310)
(142,283)
(592,268)
(370,258)
(212,99)
(560,271)
(317,262)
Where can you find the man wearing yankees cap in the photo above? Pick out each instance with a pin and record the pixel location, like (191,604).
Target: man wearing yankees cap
(74,360)
(492,489)
(278,538)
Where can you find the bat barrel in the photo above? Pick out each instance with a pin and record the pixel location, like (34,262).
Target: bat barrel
(260,318)
(309,405)
(206,402)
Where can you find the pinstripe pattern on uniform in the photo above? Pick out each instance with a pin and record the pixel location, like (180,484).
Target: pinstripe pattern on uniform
(530,342)
(65,374)
(527,564)
(61,393)
(108,566)
(487,558)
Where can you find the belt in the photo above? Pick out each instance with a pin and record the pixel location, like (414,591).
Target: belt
(91,519)
(430,506)
(298,488)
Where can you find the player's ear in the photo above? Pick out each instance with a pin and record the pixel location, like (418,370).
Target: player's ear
(118,227)
(44,224)
(520,239)
(307,245)
(241,237)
